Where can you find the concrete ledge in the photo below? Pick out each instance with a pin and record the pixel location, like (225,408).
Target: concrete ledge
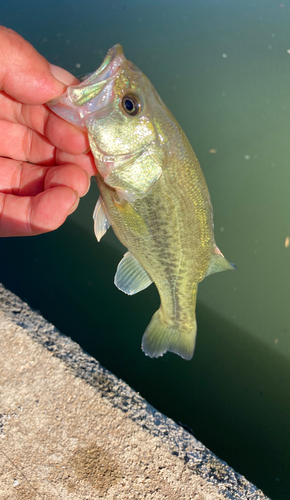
(70,429)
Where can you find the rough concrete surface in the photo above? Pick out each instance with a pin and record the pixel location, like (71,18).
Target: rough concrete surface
(69,429)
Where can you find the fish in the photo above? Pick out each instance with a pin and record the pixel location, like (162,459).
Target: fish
(152,193)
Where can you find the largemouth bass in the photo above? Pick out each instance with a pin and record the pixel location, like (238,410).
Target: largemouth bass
(153,194)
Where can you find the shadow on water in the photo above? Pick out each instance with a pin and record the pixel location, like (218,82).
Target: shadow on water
(233,394)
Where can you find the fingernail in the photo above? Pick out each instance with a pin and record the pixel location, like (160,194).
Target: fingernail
(89,183)
(62,75)
(76,202)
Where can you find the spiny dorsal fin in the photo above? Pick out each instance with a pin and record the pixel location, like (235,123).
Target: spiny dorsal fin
(219,263)
(130,277)
(101,221)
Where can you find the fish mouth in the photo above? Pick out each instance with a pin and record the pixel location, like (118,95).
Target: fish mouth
(100,78)
(94,94)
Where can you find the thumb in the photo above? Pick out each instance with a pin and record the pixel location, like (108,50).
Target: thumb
(63,76)
(25,75)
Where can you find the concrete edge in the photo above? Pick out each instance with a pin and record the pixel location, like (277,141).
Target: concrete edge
(201,461)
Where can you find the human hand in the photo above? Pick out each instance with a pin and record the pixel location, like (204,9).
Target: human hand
(43,166)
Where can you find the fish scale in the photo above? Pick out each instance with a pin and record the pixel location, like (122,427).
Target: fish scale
(153,194)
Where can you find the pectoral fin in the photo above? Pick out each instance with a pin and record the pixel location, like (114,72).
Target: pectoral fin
(134,221)
(134,180)
(101,221)
(219,263)
(130,277)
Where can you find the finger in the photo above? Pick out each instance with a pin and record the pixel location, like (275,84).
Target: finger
(40,119)
(65,136)
(63,76)
(21,143)
(24,179)
(85,161)
(68,175)
(24,74)
(26,216)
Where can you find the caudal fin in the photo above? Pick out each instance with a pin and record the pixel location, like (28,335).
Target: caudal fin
(159,338)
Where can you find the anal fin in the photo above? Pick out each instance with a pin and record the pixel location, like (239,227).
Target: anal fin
(130,277)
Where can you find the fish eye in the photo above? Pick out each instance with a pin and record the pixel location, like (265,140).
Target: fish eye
(131,104)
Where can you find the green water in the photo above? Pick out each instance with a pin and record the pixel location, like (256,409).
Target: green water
(223,69)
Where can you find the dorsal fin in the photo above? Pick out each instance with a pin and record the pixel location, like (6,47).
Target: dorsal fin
(130,277)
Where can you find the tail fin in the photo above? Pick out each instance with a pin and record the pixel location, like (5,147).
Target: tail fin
(159,338)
